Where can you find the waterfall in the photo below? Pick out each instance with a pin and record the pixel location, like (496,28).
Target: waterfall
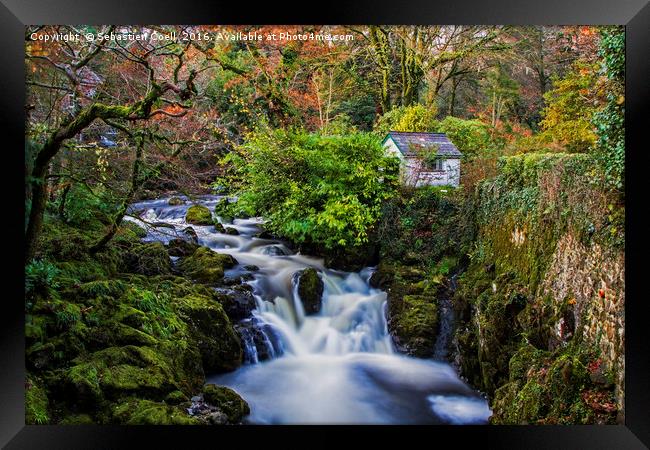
(336,366)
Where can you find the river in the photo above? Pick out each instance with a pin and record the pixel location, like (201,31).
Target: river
(335,367)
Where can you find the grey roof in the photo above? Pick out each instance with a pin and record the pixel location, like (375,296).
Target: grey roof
(409,143)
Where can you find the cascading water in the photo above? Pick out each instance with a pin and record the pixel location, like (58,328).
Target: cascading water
(337,366)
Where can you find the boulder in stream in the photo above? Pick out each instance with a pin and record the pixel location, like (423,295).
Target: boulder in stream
(191,235)
(181,247)
(199,215)
(310,289)
(238,302)
(175,201)
(206,266)
(227,400)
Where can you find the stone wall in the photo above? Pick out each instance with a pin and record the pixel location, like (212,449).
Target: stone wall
(541,305)
(593,277)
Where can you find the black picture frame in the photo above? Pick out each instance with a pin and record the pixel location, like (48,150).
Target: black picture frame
(634,14)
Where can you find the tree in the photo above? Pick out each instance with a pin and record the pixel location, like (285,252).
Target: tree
(407,118)
(86,105)
(567,118)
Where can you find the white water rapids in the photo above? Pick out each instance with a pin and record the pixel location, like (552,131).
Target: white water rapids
(335,367)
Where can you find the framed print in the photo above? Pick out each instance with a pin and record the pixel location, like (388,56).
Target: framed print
(377,216)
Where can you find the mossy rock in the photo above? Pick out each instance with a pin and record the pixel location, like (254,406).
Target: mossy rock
(414,325)
(175,201)
(199,215)
(310,290)
(231,231)
(149,259)
(81,385)
(227,400)
(219,228)
(108,288)
(181,247)
(36,403)
(218,343)
(206,266)
(525,359)
(77,419)
(118,371)
(147,412)
(176,397)
(127,335)
(129,231)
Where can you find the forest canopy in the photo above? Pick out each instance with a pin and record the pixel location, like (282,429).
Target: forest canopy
(113,120)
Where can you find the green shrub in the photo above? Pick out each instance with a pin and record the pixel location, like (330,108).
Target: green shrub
(318,189)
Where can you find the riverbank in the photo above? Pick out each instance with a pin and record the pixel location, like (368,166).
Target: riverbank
(123,336)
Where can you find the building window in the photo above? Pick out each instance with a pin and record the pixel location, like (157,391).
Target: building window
(434,164)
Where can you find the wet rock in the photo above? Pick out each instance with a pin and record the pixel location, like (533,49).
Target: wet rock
(218,227)
(191,234)
(199,215)
(231,231)
(175,201)
(274,250)
(412,315)
(206,266)
(310,289)
(413,323)
(238,279)
(251,267)
(259,340)
(238,303)
(228,402)
(217,341)
(264,235)
(181,247)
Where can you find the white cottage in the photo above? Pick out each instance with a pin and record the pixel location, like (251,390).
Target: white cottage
(419,166)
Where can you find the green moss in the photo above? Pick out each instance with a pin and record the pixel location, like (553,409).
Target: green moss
(109,288)
(206,266)
(77,419)
(227,400)
(66,315)
(176,397)
(147,412)
(199,215)
(218,343)
(118,371)
(530,402)
(81,383)
(35,328)
(36,403)
(525,359)
(416,324)
(149,259)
